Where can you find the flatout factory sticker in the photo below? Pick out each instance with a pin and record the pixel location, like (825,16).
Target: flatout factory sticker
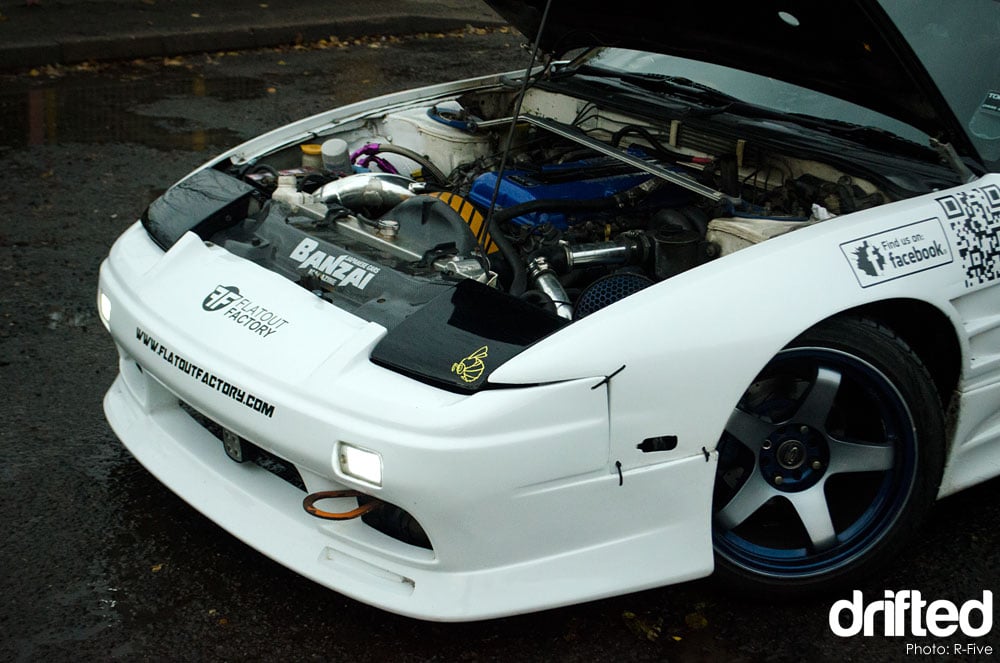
(899,252)
(199,374)
(339,271)
(243,311)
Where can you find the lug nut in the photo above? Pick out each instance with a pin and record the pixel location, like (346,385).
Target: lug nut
(804,429)
(816,465)
(766,445)
(778,480)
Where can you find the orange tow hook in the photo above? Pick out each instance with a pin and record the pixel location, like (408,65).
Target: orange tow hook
(310,500)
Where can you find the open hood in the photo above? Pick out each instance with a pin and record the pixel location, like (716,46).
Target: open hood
(848,49)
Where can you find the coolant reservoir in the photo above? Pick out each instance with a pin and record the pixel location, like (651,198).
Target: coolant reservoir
(446,146)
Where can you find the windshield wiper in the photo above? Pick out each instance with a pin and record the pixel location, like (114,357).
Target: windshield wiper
(675,86)
(858,133)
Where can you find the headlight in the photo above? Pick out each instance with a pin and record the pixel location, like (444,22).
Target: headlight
(104,308)
(360,463)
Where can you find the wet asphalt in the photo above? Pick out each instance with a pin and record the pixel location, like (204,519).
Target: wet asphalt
(99,561)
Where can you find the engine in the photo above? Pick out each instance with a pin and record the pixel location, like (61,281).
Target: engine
(573,217)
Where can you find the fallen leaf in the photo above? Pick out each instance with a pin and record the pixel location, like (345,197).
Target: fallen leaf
(695,620)
(650,630)
(157,568)
(195,15)
(272,90)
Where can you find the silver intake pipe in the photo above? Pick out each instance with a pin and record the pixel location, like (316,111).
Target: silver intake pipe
(546,281)
(374,190)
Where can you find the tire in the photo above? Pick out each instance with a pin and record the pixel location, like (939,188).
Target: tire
(829,461)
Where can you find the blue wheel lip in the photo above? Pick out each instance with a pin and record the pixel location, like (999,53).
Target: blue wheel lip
(877,519)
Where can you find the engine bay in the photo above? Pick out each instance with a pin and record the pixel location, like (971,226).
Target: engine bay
(587,206)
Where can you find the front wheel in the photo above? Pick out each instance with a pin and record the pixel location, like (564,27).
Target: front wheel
(831,457)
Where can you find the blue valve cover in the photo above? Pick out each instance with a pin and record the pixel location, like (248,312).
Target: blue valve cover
(579,180)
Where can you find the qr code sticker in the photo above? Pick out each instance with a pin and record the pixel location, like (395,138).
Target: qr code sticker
(974,218)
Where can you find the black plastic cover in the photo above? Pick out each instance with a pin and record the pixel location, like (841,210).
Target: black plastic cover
(461,336)
(206,202)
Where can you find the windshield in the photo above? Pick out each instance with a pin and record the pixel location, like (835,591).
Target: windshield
(959,45)
(752,88)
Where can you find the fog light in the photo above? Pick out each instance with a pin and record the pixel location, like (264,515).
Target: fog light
(104,308)
(360,463)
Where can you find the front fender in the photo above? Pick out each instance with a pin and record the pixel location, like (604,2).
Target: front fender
(691,345)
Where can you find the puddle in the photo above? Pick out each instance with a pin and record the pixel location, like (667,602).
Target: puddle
(128,111)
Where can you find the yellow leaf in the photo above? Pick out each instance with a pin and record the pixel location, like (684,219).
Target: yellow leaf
(695,620)
(157,568)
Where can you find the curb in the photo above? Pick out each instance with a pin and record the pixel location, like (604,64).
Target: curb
(159,44)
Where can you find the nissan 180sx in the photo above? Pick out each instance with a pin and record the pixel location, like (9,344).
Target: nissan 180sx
(698,291)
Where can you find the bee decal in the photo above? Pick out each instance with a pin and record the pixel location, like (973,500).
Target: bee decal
(471,368)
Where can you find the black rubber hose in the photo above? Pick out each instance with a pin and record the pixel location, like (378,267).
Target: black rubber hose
(519,282)
(425,163)
(519,273)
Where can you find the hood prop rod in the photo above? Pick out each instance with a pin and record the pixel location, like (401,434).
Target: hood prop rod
(509,252)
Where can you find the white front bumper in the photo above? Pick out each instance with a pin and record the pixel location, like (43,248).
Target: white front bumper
(515,488)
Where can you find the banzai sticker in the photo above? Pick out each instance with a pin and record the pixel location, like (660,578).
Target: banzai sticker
(899,252)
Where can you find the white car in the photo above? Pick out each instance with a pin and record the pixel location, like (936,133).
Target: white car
(704,291)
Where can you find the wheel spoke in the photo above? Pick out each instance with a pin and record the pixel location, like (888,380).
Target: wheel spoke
(815,408)
(855,457)
(750,497)
(815,515)
(749,429)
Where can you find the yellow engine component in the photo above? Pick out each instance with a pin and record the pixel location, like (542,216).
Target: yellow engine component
(472,216)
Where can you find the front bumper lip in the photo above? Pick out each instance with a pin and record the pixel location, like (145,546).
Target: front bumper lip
(524,512)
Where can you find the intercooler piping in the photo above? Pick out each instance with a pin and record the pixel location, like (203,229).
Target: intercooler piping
(549,284)
(621,200)
(545,266)
(366,190)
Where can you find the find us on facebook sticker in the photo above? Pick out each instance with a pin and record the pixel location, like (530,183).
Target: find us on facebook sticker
(898,252)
